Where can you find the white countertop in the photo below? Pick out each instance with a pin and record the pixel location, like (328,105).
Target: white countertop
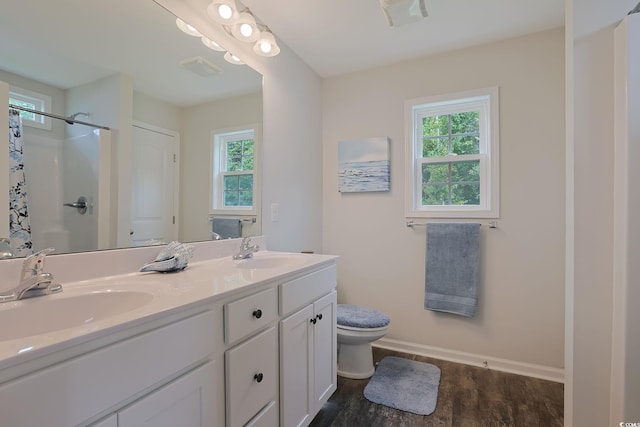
(202,282)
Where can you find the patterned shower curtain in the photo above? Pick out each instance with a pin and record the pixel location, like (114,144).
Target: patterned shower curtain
(19,226)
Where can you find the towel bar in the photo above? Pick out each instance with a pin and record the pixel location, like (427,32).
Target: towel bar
(411,224)
(252,220)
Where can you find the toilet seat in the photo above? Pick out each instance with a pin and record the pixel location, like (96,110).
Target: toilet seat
(355,316)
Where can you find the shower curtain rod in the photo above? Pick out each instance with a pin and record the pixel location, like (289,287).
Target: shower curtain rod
(69,120)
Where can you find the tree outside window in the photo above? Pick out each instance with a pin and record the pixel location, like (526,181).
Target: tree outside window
(452,182)
(452,155)
(238,177)
(233,184)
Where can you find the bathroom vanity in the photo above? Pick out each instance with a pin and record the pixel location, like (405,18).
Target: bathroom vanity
(222,343)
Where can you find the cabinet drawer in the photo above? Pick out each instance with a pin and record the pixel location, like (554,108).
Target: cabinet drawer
(248,315)
(251,377)
(305,289)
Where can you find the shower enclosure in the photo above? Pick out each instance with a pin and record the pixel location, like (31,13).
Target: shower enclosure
(67,177)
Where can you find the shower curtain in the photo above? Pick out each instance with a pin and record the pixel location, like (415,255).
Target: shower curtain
(19,226)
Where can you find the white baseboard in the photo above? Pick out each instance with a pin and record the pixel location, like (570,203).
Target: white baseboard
(504,365)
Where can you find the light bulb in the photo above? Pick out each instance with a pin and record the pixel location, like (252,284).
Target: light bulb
(230,57)
(225,11)
(246,30)
(187,28)
(212,45)
(266,44)
(266,47)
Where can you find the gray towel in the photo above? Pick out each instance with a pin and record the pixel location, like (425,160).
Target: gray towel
(452,265)
(227,228)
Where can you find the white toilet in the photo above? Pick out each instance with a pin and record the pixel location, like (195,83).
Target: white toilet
(357,328)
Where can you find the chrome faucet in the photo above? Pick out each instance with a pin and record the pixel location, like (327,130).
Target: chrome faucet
(33,280)
(246,249)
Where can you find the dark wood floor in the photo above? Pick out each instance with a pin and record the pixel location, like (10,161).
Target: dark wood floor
(468,397)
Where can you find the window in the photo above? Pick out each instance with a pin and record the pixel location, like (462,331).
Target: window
(452,155)
(34,101)
(234,172)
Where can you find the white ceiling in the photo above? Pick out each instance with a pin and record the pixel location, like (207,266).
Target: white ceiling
(340,36)
(65,43)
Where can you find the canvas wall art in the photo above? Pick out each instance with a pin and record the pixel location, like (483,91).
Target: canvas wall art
(364,165)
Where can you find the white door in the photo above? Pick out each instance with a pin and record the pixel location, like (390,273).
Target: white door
(324,349)
(296,368)
(153,185)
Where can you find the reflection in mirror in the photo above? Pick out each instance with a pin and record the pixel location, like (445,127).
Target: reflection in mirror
(163,94)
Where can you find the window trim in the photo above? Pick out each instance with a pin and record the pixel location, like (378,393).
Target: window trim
(489,164)
(43,104)
(216,202)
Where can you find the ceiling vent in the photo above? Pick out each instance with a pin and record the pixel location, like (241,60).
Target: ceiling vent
(201,66)
(402,12)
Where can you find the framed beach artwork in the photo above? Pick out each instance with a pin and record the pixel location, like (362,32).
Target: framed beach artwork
(364,165)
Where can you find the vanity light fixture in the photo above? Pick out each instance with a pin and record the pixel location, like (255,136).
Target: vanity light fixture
(238,21)
(240,25)
(233,59)
(187,28)
(402,12)
(266,44)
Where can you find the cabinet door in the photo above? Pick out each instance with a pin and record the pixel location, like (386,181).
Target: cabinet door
(186,402)
(296,361)
(324,350)
(268,417)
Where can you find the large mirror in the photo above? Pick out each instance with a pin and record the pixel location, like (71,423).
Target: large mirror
(165,97)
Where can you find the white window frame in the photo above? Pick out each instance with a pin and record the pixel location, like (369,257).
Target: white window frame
(486,101)
(219,138)
(42,103)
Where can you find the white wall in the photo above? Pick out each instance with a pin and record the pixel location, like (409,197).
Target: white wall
(590,291)
(625,356)
(292,134)
(153,111)
(632,314)
(198,123)
(520,313)
(593,241)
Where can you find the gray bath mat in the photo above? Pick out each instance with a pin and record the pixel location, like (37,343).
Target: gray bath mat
(405,384)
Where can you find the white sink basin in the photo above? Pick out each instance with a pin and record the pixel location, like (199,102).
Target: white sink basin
(50,313)
(272,261)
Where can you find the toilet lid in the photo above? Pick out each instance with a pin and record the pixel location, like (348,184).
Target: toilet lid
(356,316)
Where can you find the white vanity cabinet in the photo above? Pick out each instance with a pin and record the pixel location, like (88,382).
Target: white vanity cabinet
(307,346)
(145,375)
(260,353)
